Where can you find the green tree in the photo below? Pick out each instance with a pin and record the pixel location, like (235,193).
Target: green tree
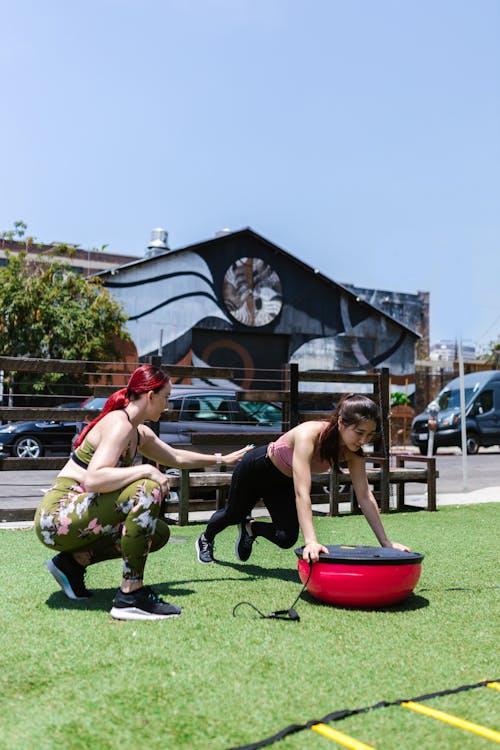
(492,354)
(50,311)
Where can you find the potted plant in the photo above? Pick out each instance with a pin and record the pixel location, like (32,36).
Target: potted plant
(401,418)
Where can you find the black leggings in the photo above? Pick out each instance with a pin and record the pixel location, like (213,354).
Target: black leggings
(256,477)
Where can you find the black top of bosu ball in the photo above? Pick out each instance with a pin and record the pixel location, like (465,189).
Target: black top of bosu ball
(360,555)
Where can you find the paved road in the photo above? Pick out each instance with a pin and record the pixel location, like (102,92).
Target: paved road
(479,484)
(483,470)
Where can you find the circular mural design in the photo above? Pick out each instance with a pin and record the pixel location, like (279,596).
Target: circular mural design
(252,292)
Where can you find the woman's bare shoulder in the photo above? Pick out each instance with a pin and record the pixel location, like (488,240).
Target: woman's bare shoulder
(310,429)
(113,423)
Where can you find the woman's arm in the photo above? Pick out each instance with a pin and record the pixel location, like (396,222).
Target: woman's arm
(367,502)
(303,450)
(156,450)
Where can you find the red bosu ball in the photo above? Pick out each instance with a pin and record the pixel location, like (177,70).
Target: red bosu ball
(357,576)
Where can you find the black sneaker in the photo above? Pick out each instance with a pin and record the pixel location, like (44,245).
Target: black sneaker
(70,575)
(204,550)
(243,546)
(142,604)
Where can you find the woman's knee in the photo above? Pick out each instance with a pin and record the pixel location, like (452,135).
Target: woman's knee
(161,536)
(149,487)
(286,539)
(141,495)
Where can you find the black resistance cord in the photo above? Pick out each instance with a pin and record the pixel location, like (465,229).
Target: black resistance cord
(291,614)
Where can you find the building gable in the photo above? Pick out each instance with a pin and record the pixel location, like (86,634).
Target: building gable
(224,302)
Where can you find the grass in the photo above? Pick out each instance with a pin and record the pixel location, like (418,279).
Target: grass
(73,678)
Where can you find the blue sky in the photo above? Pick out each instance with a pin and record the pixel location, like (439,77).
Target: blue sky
(362,136)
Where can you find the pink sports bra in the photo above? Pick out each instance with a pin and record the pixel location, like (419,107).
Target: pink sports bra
(281,454)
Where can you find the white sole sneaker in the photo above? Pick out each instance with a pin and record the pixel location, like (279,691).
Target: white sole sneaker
(133,613)
(63,581)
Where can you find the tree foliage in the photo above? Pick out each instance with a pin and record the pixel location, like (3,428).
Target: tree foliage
(399,399)
(492,355)
(48,310)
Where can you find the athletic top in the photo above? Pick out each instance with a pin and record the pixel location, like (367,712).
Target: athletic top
(281,454)
(83,454)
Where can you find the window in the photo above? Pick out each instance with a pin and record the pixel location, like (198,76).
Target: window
(484,402)
(210,408)
(261,412)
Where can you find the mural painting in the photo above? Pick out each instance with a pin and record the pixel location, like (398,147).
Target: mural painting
(240,301)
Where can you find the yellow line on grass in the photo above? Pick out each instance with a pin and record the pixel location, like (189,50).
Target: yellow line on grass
(340,738)
(456,721)
(494,685)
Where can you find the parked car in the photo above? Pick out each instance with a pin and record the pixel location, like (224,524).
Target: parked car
(198,409)
(35,439)
(482,414)
(216,410)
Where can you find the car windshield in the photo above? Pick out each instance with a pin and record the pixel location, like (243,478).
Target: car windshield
(219,407)
(450,399)
(94,403)
(261,411)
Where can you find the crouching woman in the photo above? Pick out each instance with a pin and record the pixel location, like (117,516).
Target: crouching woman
(104,504)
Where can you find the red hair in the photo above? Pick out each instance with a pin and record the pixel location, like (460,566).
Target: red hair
(144,379)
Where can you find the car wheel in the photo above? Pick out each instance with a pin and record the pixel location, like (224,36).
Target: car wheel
(472,444)
(28,447)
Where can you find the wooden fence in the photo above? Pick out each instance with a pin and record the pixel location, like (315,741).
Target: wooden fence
(287,387)
(297,391)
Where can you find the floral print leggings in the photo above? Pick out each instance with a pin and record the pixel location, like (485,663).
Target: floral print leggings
(124,523)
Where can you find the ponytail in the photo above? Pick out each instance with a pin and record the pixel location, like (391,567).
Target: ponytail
(144,379)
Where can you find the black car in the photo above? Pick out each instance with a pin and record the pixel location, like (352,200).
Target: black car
(35,439)
(198,409)
(216,410)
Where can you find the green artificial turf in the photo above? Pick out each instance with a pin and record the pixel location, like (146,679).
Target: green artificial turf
(73,678)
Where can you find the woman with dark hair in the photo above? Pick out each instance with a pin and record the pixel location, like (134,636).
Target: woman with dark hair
(106,504)
(280,474)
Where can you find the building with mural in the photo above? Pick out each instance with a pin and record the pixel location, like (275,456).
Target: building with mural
(410,309)
(238,300)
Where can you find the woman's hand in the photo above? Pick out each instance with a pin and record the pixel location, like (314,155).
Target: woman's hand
(311,551)
(397,546)
(158,476)
(233,458)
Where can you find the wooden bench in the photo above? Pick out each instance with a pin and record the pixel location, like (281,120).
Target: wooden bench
(326,487)
(381,476)
(186,484)
(426,474)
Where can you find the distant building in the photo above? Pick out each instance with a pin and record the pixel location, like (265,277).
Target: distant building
(447,351)
(86,262)
(239,301)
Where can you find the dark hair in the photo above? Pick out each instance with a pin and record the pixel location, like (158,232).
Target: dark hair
(144,379)
(353,408)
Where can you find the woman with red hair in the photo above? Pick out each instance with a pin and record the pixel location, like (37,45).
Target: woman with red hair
(106,504)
